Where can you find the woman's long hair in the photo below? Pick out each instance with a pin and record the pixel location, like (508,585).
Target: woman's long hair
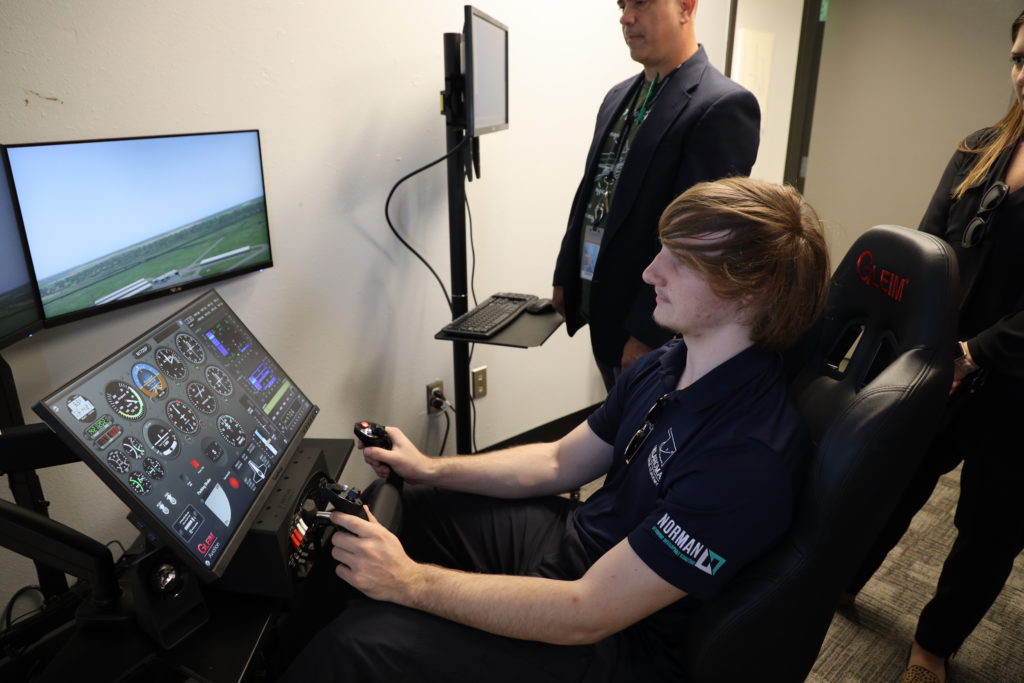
(1008,131)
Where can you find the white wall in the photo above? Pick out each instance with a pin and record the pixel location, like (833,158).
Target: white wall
(764,60)
(346,98)
(712,22)
(900,84)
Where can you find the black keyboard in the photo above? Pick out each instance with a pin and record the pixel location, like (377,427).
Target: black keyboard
(490,317)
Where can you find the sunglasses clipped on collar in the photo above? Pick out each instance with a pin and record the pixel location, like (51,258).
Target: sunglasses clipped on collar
(977,229)
(636,442)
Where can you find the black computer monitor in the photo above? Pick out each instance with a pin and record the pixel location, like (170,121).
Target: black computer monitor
(190,425)
(19,309)
(113,222)
(486,68)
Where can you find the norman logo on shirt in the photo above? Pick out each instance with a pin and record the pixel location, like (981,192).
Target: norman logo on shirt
(659,456)
(686,547)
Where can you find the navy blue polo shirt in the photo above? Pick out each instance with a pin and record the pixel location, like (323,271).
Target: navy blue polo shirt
(714,484)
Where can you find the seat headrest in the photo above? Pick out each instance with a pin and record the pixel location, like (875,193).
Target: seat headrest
(891,292)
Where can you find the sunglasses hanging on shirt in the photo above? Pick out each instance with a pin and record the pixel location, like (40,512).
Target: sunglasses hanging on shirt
(636,442)
(977,229)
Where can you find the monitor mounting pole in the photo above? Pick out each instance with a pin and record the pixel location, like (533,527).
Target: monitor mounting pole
(454,111)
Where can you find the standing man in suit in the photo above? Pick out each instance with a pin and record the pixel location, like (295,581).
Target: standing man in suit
(677,123)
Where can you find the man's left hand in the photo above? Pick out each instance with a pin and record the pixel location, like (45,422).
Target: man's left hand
(632,351)
(371,558)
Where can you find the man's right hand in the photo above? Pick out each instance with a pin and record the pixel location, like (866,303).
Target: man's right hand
(558,299)
(404,459)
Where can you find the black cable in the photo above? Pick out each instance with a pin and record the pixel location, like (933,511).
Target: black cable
(387,216)
(441,403)
(14,598)
(472,270)
(472,436)
(118,543)
(447,426)
(472,251)
(27,614)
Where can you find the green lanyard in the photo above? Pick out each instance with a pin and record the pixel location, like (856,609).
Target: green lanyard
(641,114)
(634,115)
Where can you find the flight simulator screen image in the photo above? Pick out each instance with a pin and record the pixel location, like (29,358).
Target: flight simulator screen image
(112,220)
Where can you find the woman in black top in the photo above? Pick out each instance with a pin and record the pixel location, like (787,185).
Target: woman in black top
(978,208)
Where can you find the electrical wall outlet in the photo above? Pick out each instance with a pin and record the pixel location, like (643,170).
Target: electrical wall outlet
(478,381)
(437,386)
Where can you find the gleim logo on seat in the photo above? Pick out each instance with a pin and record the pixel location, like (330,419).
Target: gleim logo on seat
(886,281)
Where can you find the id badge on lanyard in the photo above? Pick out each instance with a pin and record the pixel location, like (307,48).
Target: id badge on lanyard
(591,249)
(594,232)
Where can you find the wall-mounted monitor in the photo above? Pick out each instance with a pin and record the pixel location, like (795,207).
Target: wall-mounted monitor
(485,59)
(19,311)
(113,222)
(190,425)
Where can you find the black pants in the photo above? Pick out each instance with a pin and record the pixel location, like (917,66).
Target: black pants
(989,516)
(375,641)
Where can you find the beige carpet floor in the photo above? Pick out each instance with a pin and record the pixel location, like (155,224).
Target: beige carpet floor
(869,642)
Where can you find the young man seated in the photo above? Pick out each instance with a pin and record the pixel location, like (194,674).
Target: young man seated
(497,578)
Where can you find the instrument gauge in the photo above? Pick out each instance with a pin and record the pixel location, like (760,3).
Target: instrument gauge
(219,380)
(149,380)
(125,400)
(201,397)
(190,347)
(170,363)
(232,431)
(161,439)
(182,416)
(153,467)
(119,462)
(140,483)
(134,447)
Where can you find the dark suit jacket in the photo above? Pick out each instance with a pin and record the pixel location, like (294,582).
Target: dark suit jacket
(996,345)
(703,127)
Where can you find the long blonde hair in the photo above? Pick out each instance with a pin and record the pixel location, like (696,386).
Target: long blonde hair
(1008,131)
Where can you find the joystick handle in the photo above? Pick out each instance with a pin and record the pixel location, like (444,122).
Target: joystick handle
(373,434)
(346,504)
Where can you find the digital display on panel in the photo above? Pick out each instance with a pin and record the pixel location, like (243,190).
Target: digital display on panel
(19,313)
(188,425)
(109,222)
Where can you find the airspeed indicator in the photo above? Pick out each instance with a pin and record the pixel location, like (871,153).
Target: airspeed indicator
(125,400)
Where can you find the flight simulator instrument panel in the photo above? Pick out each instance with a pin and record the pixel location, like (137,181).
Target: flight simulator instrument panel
(187,424)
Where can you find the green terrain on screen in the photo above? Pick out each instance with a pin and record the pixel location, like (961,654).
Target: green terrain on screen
(19,308)
(181,249)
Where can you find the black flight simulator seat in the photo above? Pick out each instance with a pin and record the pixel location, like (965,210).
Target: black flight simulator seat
(871,380)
